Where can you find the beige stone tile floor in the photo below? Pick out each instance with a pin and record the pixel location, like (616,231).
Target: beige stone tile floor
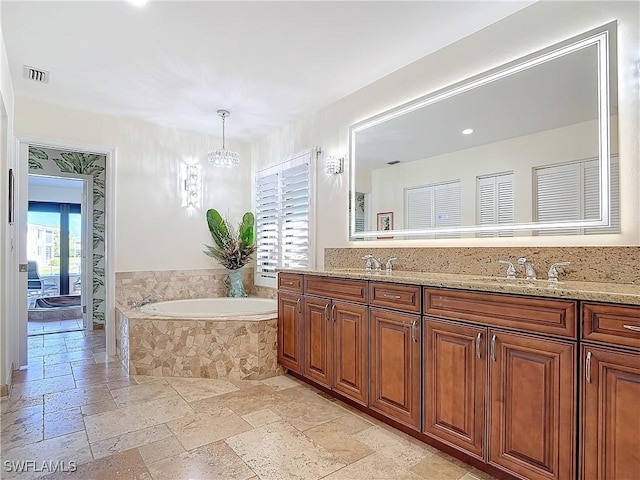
(75,404)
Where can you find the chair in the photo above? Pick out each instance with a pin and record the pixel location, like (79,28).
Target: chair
(35,284)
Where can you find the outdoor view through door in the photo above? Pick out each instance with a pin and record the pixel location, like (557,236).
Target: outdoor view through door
(54,253)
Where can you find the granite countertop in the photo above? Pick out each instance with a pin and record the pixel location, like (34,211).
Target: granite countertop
(594,291)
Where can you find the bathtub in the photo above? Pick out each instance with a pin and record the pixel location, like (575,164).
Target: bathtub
(214,308)
(230,338)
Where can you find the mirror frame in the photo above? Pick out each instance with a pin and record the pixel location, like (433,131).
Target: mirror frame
(604,38)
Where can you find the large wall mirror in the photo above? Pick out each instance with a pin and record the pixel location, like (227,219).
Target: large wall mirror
(529,148)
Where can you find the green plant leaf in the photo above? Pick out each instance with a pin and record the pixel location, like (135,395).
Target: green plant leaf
(38,153)
(246,229)
(218,228)
(64,166)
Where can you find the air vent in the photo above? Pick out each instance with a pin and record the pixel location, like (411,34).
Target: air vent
(35,74)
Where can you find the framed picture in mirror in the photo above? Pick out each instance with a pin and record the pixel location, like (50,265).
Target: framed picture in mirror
(385,223)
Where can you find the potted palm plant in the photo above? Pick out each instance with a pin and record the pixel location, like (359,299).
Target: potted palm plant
(233,247)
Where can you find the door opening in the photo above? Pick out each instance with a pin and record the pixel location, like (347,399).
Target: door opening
(57,246)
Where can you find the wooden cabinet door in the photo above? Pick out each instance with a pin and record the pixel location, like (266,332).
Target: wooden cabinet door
(350,350)
(394,350)
(290,331)
(532,400)
(454,383)
(317,340)
(610,414)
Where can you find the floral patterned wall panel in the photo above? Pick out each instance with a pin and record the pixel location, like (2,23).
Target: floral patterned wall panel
(53,162)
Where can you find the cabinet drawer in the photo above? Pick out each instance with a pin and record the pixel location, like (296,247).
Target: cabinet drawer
(398,297)
(615,324)
(340,288)
(540,315)
(290,281)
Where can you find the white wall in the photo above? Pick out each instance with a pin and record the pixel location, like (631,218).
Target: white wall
(153,230)
(529,30)
(8,255)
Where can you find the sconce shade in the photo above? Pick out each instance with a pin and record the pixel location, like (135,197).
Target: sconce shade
(334,165)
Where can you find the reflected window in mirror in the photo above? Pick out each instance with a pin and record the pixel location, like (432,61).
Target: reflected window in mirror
(495,202)
(433,206)
(571,191)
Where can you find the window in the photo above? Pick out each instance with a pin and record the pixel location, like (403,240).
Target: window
(495,202)
(433,206)
(571,191)
(283,217)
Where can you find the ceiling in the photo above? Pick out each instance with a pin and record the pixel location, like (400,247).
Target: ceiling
(269,63)
(556,93)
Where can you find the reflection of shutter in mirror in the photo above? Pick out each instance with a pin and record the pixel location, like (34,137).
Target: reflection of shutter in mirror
(495,203)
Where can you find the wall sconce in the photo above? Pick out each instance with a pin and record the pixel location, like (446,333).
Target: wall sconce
(334,165)
(191,186)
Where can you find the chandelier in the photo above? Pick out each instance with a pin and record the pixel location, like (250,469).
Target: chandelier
(222,157)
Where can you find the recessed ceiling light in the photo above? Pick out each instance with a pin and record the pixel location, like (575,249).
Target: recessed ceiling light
(138,3)
(467,131)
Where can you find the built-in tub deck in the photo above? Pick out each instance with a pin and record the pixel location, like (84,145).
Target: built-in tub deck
(231,346)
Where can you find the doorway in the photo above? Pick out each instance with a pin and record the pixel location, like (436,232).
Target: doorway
(58,226)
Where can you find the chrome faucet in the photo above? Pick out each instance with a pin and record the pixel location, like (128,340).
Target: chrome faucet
(373,263)
(511,270)
(529,269)
(553,271)
(389,265)
(145,300)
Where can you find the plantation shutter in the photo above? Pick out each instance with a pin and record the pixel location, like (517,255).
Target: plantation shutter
(419,202)
(572,192)
(592,196)
(283,217)
(558,196)
(294,213)
(495,202)
(432,206)
(447,207)
(267,222)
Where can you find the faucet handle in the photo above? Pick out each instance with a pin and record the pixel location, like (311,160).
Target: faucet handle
(511,270)
(553,271)
(389,265)
(368,259)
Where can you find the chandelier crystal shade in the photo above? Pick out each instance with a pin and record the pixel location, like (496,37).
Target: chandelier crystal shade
(222,157)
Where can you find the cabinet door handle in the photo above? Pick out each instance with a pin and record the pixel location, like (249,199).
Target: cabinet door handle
(478,340)
(298,306)
(587,368)
(414,324)
(493,348)
(326,312)
(389,295)
(333,310)
(633,328)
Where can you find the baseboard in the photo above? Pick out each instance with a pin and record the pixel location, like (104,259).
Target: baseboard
(4,389)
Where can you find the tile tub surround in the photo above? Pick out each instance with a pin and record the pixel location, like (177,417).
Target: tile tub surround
(181,284)
(588,264)
(200,348)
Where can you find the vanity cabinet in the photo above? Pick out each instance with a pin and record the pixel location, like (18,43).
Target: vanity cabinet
(454,384)
(335,336)
(525,380)
(290,321)
(497,377)
(394,350)
(610,390)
